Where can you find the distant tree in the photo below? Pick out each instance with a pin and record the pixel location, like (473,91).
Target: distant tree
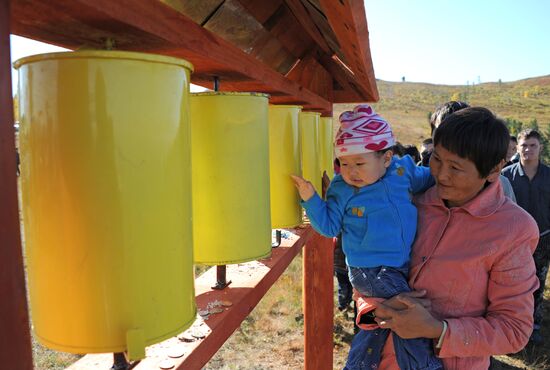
(514,126)
(545,153)
(403,79)
(533,124)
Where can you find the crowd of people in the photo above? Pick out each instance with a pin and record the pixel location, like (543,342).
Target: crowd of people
(446,248)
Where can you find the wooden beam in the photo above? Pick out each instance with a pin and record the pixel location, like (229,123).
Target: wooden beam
(149,26)
(318,302)
(313,76)
(304,19)
(349,23)
(250,282)
(352,91)
(261,10)
(15,342)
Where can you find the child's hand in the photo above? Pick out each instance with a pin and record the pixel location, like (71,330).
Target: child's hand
(305,188)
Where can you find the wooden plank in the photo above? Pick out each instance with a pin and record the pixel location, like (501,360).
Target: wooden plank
(261,10)
(250,282)
(353,91)
(349,23)
(15,342)
(318,302)
(304,18)
(285,27)
(312,75)
(198,10)
(146,25)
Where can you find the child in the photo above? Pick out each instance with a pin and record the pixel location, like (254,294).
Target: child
(370,204)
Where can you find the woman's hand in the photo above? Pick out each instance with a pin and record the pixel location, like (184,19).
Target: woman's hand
(418,296)
(305,188)
(414,321)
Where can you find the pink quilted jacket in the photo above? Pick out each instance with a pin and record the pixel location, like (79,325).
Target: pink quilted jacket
(476,264)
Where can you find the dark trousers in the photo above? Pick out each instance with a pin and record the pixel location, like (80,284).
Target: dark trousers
(345,290)
(367,345)
(542,259)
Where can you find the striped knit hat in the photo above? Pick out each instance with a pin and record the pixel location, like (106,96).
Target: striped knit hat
(362,131)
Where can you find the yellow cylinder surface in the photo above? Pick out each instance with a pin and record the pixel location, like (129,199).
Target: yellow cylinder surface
(309,138)
(106,192)
(230,151)
(326,146)
(284,158)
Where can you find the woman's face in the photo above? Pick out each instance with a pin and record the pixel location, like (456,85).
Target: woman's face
(457,179)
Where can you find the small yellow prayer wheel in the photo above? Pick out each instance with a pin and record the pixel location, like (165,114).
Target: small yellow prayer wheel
(230,154)
(106,193)
(309,139)
(326,146)
(284,157)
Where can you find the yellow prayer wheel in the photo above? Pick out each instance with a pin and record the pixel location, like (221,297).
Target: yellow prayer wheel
(106,192)
(230,152)
(309,138)
(326,146)
(284,158)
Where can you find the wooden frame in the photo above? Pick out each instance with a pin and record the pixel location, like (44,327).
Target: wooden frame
(153,26)
(15,342)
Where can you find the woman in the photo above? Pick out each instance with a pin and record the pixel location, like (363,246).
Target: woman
(472,258)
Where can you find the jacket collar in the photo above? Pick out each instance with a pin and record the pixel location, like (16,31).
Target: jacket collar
(522,172)
(487,202)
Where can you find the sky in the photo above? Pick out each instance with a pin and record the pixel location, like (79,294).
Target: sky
(439,41)
(459,42)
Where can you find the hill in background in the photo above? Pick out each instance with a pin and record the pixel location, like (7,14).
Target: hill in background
(406,105)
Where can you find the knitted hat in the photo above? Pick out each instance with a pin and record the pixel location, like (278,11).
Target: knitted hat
(362,131)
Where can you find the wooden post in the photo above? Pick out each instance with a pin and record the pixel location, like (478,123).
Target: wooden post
(318,302)
(15,342)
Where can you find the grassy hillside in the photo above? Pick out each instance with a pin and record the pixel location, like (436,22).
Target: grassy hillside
(406,105)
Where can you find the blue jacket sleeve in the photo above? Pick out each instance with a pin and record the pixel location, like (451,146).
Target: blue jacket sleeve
(325,216)
(421,177)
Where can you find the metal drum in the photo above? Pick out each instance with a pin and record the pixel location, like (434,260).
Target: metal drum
(106,192)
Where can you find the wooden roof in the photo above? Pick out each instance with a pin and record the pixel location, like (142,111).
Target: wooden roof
(307,52)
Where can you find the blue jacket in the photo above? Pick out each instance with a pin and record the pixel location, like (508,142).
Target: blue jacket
(378,221)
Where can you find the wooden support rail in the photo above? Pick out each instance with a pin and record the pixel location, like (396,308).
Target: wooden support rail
(250,282)
(15,342)
(318,297)
(151,26)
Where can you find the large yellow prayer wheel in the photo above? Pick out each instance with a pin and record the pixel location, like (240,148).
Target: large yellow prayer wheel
(106,191)
(284,157)
(230,151)
(309,138)
(326,146)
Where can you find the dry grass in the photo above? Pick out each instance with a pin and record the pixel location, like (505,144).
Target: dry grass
(272,336)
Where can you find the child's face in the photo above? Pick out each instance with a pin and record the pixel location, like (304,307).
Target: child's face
(364,169)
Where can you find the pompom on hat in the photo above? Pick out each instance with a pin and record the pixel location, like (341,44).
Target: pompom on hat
(362,131)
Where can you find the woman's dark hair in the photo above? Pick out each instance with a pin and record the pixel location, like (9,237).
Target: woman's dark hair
(445,109)
(413,152)
(398,149)
(476,134)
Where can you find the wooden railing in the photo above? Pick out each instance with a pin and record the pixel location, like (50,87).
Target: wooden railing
(250,282)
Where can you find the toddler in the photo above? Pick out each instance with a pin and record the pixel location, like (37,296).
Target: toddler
(369,203)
